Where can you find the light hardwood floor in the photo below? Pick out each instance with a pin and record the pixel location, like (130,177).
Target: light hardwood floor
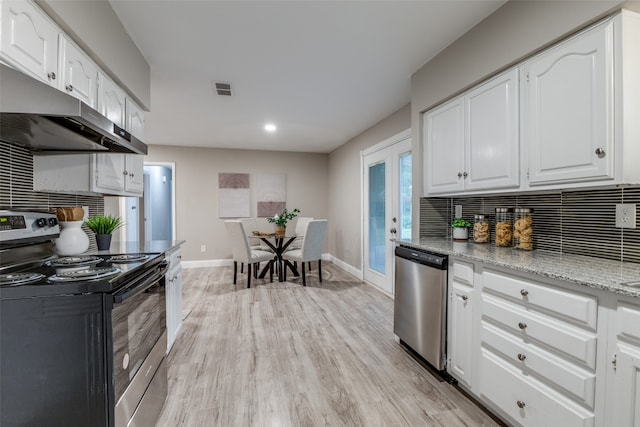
(280,354)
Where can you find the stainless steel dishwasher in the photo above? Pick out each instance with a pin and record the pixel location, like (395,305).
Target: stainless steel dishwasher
(420,305)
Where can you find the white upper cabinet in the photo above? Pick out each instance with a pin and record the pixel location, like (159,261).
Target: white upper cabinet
(444,148)
(570,110)
(135,119)
(492,155)
(111,100)
(79,74)
(472,142)
(29,41)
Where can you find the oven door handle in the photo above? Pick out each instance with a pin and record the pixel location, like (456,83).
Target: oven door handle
(145,283)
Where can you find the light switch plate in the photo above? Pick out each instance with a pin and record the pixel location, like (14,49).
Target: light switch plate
(626,215)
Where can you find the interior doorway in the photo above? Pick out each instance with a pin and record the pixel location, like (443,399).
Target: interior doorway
(159,201)
(387,186)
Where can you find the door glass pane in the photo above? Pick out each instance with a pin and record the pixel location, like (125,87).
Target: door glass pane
(404,224)
(377,215)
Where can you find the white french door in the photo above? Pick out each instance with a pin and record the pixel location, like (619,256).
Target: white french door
(386,206)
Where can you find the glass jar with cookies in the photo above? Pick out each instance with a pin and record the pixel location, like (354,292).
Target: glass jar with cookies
(523,229)
(480,229)
(504,226)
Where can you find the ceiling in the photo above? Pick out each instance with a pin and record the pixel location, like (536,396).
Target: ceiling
(321,71)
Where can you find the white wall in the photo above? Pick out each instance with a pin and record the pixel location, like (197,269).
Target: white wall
(196,179)
(345,176)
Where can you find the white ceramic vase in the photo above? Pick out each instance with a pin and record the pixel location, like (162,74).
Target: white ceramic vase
(73,240)
(460,233)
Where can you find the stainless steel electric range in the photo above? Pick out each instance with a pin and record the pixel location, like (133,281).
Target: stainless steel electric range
(82,338)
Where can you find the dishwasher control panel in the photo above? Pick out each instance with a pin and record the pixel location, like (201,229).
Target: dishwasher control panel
(423,257)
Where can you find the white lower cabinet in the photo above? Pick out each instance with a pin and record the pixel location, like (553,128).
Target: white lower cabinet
(459,350)
(534,350)
(111,174)
(623,369)
(174,296)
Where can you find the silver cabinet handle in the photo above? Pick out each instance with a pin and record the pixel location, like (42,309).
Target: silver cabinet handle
(51,75)
(524,292)
(459,174)
(131,175)
(464,297)
(520,404)
(125,173)
(521,357)
(69,88)
(465,174)
(522,325)
(600,152)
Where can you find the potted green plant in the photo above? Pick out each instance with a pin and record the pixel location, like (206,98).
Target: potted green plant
(103,227)
(460,229)
(281,220)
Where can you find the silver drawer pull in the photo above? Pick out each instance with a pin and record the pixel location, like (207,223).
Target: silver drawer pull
(600,152)
(522,325)
(69,88)
(520,404)
(51,76)
(459,174)
(521,357)
(464,297)
(524,292)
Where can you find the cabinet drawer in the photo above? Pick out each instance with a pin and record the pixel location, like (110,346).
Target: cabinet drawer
(579,308)
(174,257)
(549,331)
(526,400)
(531,359)
(462,272)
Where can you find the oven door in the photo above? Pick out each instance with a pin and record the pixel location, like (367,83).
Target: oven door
(138,321)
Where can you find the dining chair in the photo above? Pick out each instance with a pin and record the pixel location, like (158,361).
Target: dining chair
(249,225)
(311,249)
(243,253)
(301,229)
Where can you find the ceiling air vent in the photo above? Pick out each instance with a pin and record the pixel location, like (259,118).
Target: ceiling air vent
(223,89)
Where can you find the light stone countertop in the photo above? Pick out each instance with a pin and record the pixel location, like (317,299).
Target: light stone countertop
(593,272)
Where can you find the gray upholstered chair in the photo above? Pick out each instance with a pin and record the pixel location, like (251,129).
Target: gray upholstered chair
(243,253)
(301,229)
(311,249)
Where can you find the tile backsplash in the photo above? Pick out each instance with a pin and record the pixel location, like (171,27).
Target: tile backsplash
(16,186)
(575,222)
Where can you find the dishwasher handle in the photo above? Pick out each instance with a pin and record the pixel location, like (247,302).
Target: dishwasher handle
(430,259)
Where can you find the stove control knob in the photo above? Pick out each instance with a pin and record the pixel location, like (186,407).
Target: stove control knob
(41,222)
(53,222)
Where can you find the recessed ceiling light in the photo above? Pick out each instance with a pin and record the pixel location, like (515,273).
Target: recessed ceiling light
(270,127)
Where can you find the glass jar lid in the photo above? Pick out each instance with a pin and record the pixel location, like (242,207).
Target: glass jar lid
(479,217)
(503,210)
(523,210)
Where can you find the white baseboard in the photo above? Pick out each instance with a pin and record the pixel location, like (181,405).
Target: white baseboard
(207,263)
(343,265)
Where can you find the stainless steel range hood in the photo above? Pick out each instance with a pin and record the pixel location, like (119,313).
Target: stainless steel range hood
(49,121)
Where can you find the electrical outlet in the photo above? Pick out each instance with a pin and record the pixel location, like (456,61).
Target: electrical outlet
(626,215)
(203,248)
(458,211)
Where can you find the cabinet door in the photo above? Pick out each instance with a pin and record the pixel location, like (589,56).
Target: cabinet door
(135,119)
(623,407)
(461,329)
(569,116)
(444,148)
(460,348)
(29,41)
(134,180)
(110,173)
(79,74)
(111,100)
(492,155)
